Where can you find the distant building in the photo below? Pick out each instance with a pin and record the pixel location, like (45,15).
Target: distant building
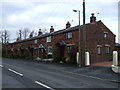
(117,45)
(117,48)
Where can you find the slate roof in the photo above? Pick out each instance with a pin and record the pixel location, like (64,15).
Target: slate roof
(56,32)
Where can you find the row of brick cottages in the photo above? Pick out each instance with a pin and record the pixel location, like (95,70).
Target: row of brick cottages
(100,42)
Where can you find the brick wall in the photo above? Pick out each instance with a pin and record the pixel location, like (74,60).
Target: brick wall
(94,39)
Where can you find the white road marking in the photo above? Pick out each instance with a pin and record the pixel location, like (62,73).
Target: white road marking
(44,85)
(1,65)
(92,77)
(16,72)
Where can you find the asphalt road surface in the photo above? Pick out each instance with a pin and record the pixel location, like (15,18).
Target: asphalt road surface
(30,74)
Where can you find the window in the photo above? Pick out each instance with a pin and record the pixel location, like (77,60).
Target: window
(99,50)
(50,50)
(107,49)
(36,52)
(48,39)
(69,35)
(105,34)
(35,41)
(70,48)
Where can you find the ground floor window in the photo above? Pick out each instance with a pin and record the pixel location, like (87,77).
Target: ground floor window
(36,52)
(42,50)
(70,48)
(49,50)
(107,48)
(99,50)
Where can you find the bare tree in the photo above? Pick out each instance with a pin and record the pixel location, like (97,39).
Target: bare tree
(1,36)
(19,34)
(4,35)
(25,33)
(44,31)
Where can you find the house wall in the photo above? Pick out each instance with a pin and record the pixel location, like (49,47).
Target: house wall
(94,38)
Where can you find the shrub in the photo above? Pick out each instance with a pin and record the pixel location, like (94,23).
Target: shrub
(68,60)
(46,56)
(4,52)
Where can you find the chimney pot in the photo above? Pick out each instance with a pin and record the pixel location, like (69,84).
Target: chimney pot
(51,29)
(68,25)
(39,33)
(92,18)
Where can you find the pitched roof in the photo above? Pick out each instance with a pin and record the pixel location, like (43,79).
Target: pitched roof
(57,32)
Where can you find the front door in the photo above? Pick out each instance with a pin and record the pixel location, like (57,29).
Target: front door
(62,50)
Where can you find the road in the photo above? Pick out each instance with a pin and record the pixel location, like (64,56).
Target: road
(29,74)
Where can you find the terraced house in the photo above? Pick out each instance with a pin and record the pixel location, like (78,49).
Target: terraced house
(100,43)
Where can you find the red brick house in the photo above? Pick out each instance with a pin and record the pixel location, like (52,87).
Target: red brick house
(100,42)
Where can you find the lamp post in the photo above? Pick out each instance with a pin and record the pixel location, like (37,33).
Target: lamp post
(79,62)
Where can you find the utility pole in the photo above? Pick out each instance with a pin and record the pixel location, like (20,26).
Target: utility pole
(83,38)
(83,12)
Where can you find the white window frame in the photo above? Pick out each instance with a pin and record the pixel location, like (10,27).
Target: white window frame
(69,47)
(99,50)
(105,34)
(35,41)
(69,35)
(48,39)
(50,50)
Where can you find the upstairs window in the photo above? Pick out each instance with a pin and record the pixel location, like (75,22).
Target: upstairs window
(35,41)
(48,39)
(105,34)
(69,35)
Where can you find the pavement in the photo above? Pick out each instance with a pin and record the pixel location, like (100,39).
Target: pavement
(34,74)
(100,72)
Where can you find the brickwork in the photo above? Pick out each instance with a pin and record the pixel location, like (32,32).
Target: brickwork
(94,39)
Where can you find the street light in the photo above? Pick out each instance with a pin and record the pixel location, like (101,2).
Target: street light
(79,37)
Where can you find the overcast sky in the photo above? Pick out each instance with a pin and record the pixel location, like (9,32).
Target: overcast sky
(35,14)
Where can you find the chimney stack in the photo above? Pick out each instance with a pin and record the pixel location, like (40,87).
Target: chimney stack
(68,25)
(51,29)
(92,18)
(18,39)
(31,34)
(39,33)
